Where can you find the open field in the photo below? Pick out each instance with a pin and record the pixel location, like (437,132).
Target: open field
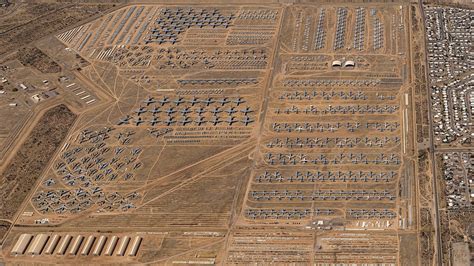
(20,176)
(226,134)
(29,22)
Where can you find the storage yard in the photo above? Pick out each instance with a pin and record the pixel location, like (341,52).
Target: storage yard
(244,133)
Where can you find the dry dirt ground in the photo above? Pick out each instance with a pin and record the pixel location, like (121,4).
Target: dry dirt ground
(20,176)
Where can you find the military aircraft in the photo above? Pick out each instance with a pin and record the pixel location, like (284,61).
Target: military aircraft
(179,101)
(208,101)
(193,101)
(231,120)
(215,111)
(246,110)
(246,120)
(149,101)
(185,111)
(169,121)
(124,120)
(139,121)
(200,120)
(170,111)
(216,120)
(200,110)
(164,101)
(185,120)
(154,121)
(223,101)
(231,110)
(155,110)
(238,101)
(140,111)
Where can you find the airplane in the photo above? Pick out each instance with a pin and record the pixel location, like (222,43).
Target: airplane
(179,101)
(170,111)
(224,101)
(139,121)
(155,110)
(215,111)
(246,110)
(140,111)
(61,209)
(238,101)
(169,121)
(157,40)
(208,101)
(132,195)
(246,120)
(149,101)
(154,121)
(49,182)
(231,120)
(193,101)
(231,110)
(160,40)
(164,101)
(200,110)
(278,177)
(215,120)
(200,121)
(124,120)
(185,121)
(185,111)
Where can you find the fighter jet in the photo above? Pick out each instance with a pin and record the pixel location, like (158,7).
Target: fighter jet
(185,111)
(238,101)
(170,111)
(246,120)
(154,121)
(215,111)
(124,120)
(149,101)
(223,101)
(215,120)
(231,120)
(139,121)
(246,110)
(185,120)
(164,101)
(200,110)
(193,101)
(160,40)
(140,111)
(200,120)
(231,110)
(169,121)
(49,182)
(155,110)
(208,101)
(179,101)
